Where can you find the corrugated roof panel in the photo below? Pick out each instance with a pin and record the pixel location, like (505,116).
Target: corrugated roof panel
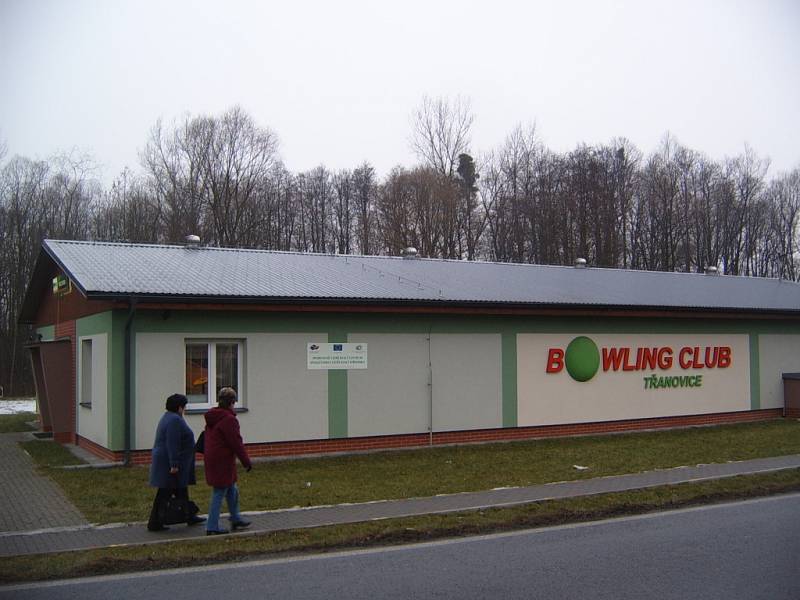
(112,268)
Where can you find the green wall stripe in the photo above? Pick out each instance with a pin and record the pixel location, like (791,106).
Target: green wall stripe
(113,323)
(755,373)
(263,322)
(337,393)
(509,378)
(122,318)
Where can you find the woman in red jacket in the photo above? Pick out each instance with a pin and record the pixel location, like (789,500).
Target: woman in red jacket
(223,443)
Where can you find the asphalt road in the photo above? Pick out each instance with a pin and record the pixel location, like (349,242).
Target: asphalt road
(742,550)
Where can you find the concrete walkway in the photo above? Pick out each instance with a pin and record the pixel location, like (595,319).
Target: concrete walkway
(66,529)
(27,500)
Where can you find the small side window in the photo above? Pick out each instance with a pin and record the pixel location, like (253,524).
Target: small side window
(86,373)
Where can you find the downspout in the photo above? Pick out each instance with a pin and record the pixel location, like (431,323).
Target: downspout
(430,388)
(128,359)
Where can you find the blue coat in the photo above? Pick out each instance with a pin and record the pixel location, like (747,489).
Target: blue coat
(174,447)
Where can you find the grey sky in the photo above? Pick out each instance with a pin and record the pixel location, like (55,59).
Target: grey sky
(338,80)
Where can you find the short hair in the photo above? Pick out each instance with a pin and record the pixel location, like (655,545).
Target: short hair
(226,397)
(176,401)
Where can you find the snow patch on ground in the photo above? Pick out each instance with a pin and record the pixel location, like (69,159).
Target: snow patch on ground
(11,407)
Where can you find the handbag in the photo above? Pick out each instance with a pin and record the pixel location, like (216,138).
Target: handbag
(200,445)
(177,508)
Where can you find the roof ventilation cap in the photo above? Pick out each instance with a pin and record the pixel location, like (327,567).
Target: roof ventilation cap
(409,252)
(711,270)
(580,263)
(192,241)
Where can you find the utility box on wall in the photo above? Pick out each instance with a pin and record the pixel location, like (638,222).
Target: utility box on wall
(791,395)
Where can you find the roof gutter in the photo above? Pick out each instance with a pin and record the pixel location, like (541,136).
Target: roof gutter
(128,412)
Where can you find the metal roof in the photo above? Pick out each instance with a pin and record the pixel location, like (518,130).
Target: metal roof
(105,270)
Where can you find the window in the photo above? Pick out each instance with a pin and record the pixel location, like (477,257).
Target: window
(217,361)
(86,373)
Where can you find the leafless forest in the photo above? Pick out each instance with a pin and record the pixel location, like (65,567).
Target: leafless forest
(222,178)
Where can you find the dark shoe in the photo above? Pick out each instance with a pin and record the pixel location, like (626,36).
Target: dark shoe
(157,528)
(194,520)
(216,531)
(240,524)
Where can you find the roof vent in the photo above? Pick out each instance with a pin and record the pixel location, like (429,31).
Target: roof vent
(409,252)
(580,263)
(192,241)
(710,270)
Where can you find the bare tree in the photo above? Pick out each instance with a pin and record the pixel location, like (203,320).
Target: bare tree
(365,188)
(128,212)
(747,173)
(395,213)
(38,199)
(441,129)
(343,211)
(23,183)
(516,159)
(207,174)
(238,156)
(315,197)
(173,162)
(783,198)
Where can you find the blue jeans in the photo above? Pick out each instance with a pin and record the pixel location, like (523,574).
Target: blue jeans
(231,495)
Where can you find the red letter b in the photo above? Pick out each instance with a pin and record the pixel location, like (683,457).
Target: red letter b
(555,360)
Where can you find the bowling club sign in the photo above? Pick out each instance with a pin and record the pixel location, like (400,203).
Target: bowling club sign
(660,367)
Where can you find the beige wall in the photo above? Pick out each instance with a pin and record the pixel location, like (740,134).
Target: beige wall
(554,398)
(92,423)
(287,401)
(778,354)
(467,381)
(159,373)
(391,396)
(284,400)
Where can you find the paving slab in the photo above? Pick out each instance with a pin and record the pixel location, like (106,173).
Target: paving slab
(85,536)
(28,500)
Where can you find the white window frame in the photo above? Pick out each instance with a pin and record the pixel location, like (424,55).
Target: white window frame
(211,349)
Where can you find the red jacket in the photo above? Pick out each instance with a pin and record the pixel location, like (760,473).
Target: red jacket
(223,443)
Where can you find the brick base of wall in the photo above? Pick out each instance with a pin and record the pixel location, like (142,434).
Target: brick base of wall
(101,451)
(65,437)
(387,442)
(792,413)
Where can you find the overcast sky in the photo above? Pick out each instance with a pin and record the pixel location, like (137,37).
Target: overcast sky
(338,80)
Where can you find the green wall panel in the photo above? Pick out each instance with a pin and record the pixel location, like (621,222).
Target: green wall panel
(509,378)
(337,393)
(113,324)
(48,333)
(257,322)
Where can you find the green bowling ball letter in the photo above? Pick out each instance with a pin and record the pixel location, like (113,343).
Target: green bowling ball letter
(582,359)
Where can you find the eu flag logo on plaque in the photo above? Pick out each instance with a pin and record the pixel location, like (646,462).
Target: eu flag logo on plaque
(337,347)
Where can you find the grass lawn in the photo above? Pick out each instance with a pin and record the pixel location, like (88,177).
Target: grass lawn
(46,453)
(16,422)
(121,494)
(390,531)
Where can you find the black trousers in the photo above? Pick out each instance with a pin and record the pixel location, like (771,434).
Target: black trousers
(162,495)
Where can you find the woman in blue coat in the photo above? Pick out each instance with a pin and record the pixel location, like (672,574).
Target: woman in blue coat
(172,461)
